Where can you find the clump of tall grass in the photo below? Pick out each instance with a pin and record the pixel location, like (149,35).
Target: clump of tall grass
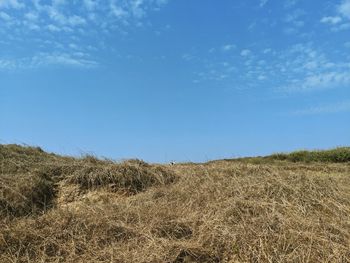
(25,194)
(133,176)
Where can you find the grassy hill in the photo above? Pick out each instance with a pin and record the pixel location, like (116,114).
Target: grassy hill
(280,208)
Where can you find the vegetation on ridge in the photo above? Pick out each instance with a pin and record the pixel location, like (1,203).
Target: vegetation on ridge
(337,155)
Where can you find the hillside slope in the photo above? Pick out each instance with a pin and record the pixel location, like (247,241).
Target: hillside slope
(272,209)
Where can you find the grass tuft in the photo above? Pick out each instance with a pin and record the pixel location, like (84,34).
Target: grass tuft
(129,176)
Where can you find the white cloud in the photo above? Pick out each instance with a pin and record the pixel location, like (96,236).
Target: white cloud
(228,47)
(137,9)
(344,8)
(294,69)
(73,46)
(57,3)
(62,59)
(102,13)
(325,80)
(295,21)
(304,68)
(261,77)
(90,4)
(328,79)
(31,16)
(187,57)
(59,17)
(76,20)
(289,3)
(7,64)
(337,22)
(77,60)
(118,12)
(295,15)
(31,26)
(290,31)
(5,16)
(56,15)
(53,28)
(341,27)
(333,20)
(263,3)
(11,4)
(245,52)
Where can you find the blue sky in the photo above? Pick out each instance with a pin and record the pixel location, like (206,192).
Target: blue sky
(184,80)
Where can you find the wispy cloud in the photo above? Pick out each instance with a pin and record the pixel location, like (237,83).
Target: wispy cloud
(263,3)
(344,8)
(298,68)
(333,20)
(227,47)
(306,68)
(343,106)
(24,23)
(245,52)
(77,60)
(294,21)
(340,20)
(5,16)
(11,4)
(326,80)
(290,3)
(90,4)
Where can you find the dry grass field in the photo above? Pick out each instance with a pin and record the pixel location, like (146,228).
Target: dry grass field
(282,208)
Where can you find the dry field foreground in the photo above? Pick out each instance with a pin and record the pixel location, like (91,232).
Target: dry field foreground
(63,209)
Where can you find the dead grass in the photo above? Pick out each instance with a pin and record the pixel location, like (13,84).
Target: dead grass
(222,211)
(25,194)
(131,176)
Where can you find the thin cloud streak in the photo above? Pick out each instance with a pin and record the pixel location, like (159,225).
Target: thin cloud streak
(325,109)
